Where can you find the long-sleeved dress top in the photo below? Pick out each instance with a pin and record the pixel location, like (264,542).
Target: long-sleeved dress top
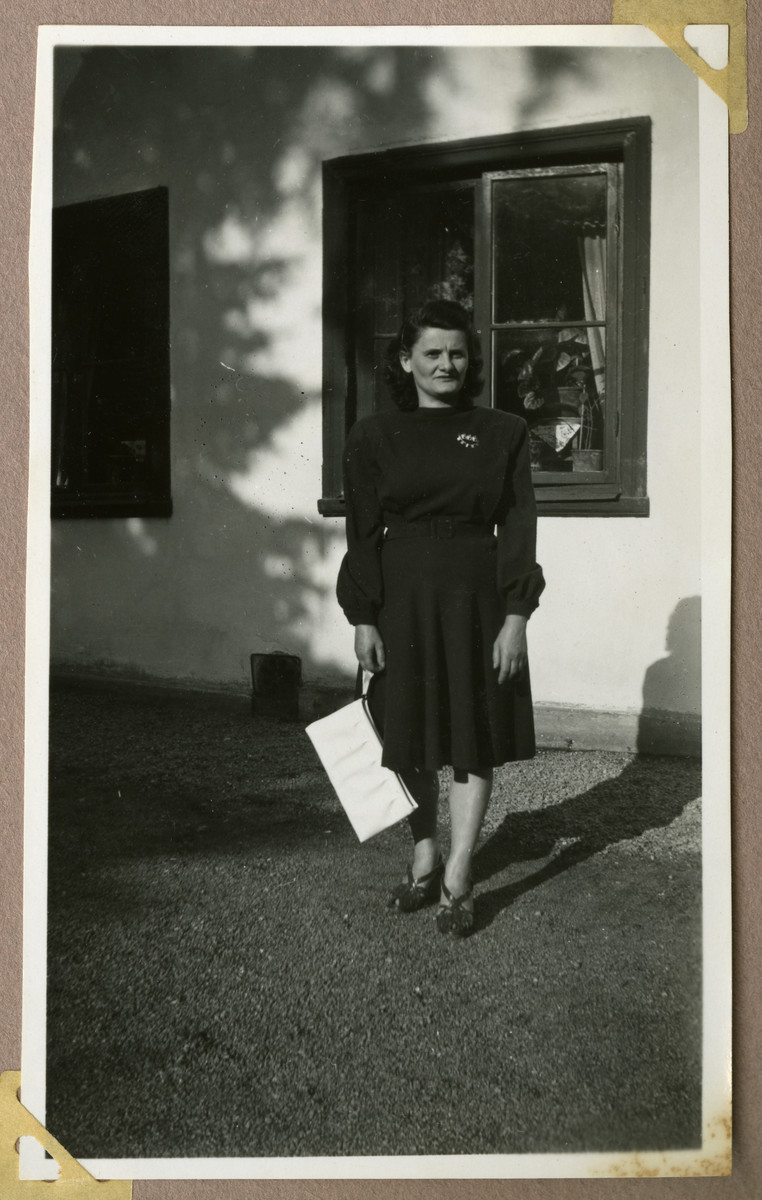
(441,528)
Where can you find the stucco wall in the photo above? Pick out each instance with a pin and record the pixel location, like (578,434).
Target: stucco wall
(245,563)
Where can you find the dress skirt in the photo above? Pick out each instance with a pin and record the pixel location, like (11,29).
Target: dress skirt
(438,701)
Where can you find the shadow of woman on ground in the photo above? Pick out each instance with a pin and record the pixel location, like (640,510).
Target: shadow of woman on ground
(650,793)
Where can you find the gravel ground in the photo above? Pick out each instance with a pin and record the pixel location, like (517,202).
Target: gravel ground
(224,978)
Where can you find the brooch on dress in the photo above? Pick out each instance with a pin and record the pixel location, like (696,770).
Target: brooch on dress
(469,440)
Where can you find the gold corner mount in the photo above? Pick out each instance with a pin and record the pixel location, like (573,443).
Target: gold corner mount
(73,1182)
(668,19)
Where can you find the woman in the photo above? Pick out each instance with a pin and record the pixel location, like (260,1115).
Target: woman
(440,604)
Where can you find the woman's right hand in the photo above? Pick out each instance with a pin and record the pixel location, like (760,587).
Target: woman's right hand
(369,648)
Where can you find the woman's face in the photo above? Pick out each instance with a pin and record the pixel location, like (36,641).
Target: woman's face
(438,363)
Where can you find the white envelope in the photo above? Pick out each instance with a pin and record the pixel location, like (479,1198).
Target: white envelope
(350,748)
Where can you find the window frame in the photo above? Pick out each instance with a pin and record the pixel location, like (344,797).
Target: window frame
(626,141)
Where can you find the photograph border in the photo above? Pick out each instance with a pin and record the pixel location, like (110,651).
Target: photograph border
(31,562)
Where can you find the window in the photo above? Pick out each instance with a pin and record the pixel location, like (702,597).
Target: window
(544,236)
(110,376)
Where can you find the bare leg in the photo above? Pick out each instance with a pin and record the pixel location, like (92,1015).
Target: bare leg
(469,796)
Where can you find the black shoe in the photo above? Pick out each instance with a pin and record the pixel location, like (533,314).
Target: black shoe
(452,917)
(415,893)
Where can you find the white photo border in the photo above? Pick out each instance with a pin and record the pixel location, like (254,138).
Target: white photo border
(715,565)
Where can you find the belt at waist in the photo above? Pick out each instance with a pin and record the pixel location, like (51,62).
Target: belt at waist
(437,527)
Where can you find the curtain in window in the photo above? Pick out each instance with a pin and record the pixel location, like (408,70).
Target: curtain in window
(592,251)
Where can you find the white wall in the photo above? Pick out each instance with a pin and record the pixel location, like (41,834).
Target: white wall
(245,563)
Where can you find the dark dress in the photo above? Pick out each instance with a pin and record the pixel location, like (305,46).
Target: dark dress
(439,600)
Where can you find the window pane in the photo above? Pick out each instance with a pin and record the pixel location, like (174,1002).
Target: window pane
(550,248)
(414,245)
(438,248)
(110,335)
(382,397)
(110,430)
(555,380)
(422,248)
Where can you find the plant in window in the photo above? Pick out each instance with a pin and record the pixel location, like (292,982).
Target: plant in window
(556,389)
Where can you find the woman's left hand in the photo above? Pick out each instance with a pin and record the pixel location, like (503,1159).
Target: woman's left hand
(509,653)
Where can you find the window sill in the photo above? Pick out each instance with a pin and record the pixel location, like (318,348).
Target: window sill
(332,507)
(574,501)
(587,506)
(110,506)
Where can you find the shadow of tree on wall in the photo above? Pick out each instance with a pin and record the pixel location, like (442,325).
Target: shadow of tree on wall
(238,136)
(552,68)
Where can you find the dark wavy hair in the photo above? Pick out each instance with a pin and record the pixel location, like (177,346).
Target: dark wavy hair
(435,314)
